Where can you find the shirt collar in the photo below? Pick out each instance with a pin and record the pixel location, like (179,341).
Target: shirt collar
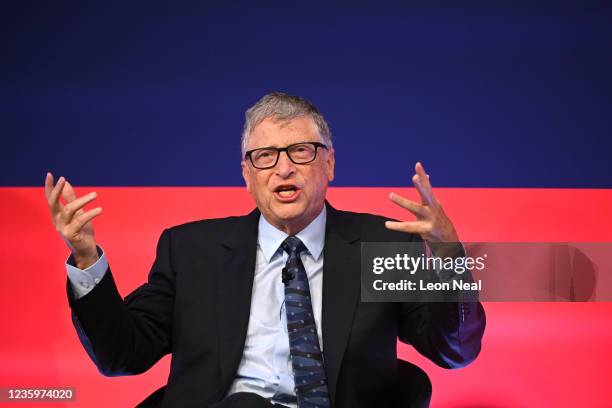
(270,238)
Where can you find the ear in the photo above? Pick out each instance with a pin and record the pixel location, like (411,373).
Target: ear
(331,162)
(245,174)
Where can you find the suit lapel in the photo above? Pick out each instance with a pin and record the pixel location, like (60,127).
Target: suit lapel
(341,283)
(235,284)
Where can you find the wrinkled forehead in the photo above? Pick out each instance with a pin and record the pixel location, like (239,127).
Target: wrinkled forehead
(283,132)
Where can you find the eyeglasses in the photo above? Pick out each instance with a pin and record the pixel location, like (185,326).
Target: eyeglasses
(299,153)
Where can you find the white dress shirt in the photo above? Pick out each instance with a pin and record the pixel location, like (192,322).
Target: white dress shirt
(265,368)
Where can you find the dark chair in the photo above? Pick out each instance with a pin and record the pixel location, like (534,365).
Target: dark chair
(414,386)
(154,400)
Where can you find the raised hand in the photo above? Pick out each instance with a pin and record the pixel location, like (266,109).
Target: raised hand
(71,221)
(431,223)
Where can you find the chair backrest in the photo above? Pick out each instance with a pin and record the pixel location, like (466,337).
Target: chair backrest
(414,386)
(154,400)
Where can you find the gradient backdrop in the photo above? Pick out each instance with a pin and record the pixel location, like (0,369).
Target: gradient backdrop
(507,105)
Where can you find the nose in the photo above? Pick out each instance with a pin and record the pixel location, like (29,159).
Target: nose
(285,167)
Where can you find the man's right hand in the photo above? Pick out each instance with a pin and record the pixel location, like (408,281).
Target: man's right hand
(71,221)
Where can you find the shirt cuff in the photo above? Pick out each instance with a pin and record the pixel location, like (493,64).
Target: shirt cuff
(84,280)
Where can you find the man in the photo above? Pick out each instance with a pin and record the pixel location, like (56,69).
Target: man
(264,309)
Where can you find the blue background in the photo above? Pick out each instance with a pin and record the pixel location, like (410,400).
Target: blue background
(486,95)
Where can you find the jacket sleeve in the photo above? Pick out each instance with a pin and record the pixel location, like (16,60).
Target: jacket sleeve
(127,336)
(449,333)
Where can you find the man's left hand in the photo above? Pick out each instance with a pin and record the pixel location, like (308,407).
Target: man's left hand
(431,223)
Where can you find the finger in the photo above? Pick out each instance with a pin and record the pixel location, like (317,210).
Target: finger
(68,193)
(48,184)
(420,171)
(415,227)
(410,205)
(426,194)
(82,219)
(54,203)
(77,204)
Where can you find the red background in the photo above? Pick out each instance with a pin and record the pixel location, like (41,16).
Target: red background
(534,354)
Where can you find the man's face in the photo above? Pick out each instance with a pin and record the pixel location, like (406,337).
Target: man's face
(289,195)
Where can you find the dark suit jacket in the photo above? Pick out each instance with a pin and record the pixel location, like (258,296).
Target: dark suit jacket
(196,304)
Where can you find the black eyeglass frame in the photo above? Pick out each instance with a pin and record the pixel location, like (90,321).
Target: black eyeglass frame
(286,150)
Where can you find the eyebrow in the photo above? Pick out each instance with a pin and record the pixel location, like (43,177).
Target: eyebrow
(290,144)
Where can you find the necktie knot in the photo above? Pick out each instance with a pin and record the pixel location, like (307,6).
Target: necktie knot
(293,245)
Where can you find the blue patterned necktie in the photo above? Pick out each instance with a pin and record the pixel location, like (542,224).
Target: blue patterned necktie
(306,357)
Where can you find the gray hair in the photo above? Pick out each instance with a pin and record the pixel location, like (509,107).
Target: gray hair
(283,107)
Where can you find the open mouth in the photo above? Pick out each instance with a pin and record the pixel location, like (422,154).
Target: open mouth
(287,193)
